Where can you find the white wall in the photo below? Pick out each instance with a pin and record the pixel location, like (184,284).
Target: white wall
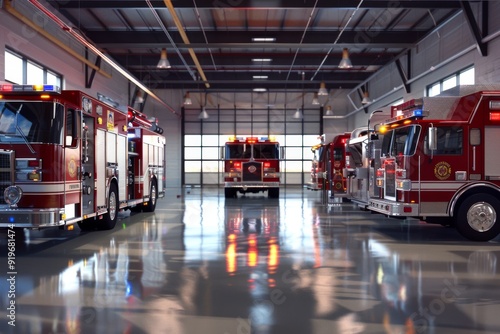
(444,52)
(22,39)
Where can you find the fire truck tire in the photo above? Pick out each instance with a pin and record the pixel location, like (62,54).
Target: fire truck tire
(230,193)
(153,197)
(273,193)
(111,216)
(87,224)
(478,217)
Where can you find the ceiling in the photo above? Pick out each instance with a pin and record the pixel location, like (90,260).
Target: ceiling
(209,42)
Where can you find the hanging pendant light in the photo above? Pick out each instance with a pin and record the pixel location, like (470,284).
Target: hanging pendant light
(203,114)
(329,111)
(163,63)
(345,62)
(138,97)
(298,114)
(315,100)
(322,89)
(187,99)
(366,98)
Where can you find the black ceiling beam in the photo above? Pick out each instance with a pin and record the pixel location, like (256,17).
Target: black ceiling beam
(262,4)
(243,39)
(244,78)
(245,60)
(474,27)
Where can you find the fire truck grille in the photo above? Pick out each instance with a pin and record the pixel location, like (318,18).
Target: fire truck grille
(5,173)
(252,171)
(390,179)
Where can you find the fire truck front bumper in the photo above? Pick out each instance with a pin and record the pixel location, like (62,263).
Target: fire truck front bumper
(246,185)
(392,208)
(30,218)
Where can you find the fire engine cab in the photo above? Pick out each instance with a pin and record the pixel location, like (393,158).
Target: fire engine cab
(251,164)
(68,158)
(327,168)
(440,162)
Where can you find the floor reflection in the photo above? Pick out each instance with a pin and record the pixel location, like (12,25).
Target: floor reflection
(203,264)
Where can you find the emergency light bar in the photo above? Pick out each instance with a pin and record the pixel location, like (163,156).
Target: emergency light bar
(408,115)
(30,89)
(251,140)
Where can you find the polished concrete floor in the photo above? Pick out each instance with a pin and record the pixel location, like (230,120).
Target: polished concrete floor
(204,264)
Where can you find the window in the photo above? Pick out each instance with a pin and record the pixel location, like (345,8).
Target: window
(23,71)
(400,141)
(463,77)
(449,141)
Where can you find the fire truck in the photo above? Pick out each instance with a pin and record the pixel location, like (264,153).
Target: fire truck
(252,164)
(68,158)
(440,161)
(327,170)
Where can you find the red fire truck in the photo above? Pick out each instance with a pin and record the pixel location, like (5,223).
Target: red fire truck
(440,162)
(252,164)
(68,158)
(327,170)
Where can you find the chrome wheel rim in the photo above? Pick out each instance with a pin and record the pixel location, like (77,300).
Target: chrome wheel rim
(481,217)
(112,205)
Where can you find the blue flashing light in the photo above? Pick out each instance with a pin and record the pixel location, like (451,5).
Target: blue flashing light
(51,88)
(11,219)
(418,112)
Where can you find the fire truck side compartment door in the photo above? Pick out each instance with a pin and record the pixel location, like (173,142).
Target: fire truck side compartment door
(100,162)
(492,163)
(121,159)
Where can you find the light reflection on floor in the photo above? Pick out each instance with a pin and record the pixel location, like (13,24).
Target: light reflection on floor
(204,264)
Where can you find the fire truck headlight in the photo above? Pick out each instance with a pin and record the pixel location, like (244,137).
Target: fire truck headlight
(12,195)
(35,175)
(404,185)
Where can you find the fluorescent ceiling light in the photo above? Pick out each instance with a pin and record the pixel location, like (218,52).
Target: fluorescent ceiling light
(263,39)
(260,89)
(260,77)
(261,59)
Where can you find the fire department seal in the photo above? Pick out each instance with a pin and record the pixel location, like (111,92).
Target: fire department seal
(442,170)
(72,168)
(252,169)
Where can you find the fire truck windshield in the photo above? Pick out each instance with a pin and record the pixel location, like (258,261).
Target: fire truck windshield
(34,122)
(400,141)
(244,151)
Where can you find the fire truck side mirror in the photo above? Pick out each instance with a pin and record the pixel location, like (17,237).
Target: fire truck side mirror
(282,152)
(73,127)
(222,152)
(432,135)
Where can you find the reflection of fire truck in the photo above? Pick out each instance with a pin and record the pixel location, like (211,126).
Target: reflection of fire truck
(444,168)
(251,165)
(327,170)
(67,158)
(252,238)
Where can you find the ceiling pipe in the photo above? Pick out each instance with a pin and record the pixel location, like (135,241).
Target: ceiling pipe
(165,31)
(302,39)
(337,39)
(182,32)
(84,42)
